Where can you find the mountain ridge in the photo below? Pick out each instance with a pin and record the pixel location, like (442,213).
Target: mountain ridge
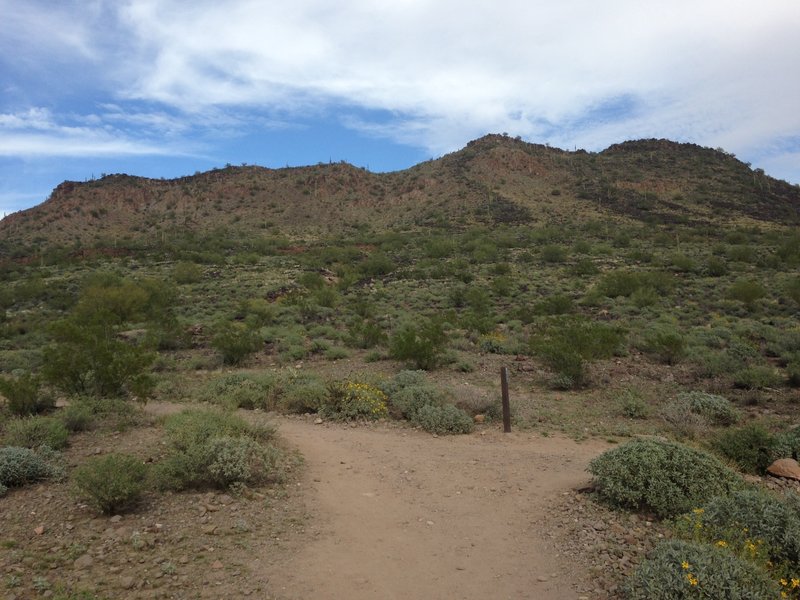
(493,179)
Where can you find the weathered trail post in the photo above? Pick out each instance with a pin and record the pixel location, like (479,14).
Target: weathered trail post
(506,402)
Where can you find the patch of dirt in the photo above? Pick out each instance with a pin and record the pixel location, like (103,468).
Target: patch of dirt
(398,513)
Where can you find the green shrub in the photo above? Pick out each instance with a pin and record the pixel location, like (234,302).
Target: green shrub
(37,431)
(559,304)
(202,453)
(678,570)
(78,416)
(787,444)
(750,517)
(242,390)
(792,289)
(187,272)
(422,345)
(403,380)
(747,291)
(665,343)
(750,447)
(110,483)
(757,377)
(409,400)
(553,254)
(443,419)
(235,342)
(716,267)
(632,404)
(304,394)
(25,396)
(667,478)
(349,400)
(625,283)
(19,466)
(716,410)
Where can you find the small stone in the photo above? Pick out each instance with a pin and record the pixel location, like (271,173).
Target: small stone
(39,530)
(542,578)
(115,519)
(785,467)
(317,421)
(82,563)
(217,565)
(479,418)
(225,499)
(127,583)
(183,560)
(210,529)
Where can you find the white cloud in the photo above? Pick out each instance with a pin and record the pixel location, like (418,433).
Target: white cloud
(699,69)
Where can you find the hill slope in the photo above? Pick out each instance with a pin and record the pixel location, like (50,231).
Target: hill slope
(494,179)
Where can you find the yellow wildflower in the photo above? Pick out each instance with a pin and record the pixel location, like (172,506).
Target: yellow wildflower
(685,564)
(722,544)
(692,579)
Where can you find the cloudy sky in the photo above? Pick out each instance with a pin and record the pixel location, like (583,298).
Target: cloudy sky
(164,88)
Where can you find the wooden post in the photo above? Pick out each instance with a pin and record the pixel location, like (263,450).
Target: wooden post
(506,402)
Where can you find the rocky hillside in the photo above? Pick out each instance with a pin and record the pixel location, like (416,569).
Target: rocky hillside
(495,179)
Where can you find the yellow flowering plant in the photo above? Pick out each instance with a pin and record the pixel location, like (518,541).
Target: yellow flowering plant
(349,400)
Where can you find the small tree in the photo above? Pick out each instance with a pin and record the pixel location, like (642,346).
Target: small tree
(422,344)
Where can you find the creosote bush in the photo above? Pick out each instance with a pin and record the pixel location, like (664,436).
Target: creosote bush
(235,342)
(750,447)
(421,345)
(25,395)
(664,477)
(678,570)
(110,483)
(349,400)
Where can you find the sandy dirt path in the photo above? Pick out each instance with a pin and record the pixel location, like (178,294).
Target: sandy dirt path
(398,513)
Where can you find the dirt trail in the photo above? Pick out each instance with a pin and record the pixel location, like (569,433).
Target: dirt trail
(402,514)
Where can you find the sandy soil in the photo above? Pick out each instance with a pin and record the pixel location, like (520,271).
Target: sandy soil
(398,513)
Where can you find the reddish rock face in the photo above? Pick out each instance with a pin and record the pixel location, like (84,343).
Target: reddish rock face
(785,467)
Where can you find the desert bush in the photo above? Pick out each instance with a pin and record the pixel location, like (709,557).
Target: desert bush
(304,394)
(714,409)
(78,416)
(632,404)
(757,377)
(716,267)
(553,254)
(25,395)
(19,466)
(203,451)
(624,283)
(558,304)
(365,333)
(679,569)
(402,380)
(792,289)
(787,444)
(242,390)
(110,483)
(187,272)
(750,447)
(37,431)
(235,342)
(409,400)
(347,400)
(747,291)
(665,343)
(443,419)
(665,477)
(422,344)
(753,522)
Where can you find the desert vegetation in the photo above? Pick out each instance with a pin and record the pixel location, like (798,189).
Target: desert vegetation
(620,313)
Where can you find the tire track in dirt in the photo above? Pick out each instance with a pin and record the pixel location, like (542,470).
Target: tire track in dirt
(399,513)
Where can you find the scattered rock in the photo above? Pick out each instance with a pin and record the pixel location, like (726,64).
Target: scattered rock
(785,467)
(39,530)
(127,583)
(82,563)
(479,418)
(317,421)
(217,565)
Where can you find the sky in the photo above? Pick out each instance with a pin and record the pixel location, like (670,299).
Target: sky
(166,88)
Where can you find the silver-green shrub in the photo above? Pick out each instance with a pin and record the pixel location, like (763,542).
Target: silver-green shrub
(678,570)
(665,477)
(19,466)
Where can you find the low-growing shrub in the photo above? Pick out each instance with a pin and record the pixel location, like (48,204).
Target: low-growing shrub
(19,466)
(349,400)
(201,453)
(750,447)
(187,272)
(632,404)
(679,569)
(714,409)
(757,377)
(665,343)
(747,291)
(667,478)
(242,390)
(304,394)
(110,483)
(443,419)
(37,431)
(787,444)
(753,522)
(78,416)
(408,401)
(25,395)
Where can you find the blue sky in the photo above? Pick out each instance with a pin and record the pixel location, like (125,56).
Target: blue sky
(164,88)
